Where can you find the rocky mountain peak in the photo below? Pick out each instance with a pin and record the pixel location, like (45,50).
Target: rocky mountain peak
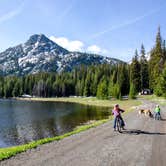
(37,38)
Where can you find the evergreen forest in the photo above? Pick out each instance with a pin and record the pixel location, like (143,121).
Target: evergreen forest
(103,81)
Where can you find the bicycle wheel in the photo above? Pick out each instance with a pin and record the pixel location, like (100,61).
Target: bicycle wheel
(118,124)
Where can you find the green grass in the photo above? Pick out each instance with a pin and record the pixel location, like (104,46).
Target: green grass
(154,98)
(127,105)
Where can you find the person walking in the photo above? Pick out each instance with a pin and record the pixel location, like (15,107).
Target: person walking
(157,113)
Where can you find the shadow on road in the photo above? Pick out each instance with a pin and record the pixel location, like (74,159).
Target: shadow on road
(136,132)
(163,119)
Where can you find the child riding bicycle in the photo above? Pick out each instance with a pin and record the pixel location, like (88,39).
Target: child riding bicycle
(117,114)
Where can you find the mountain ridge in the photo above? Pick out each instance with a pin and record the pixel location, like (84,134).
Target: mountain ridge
(40,54)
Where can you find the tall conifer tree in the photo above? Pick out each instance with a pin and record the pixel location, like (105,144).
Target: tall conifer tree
(156,62)
(144,69)
(135,77)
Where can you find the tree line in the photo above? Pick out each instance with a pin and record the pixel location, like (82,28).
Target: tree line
(104,81)
(98,80)
(150,73)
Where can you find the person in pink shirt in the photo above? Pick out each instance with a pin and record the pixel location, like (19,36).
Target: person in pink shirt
(117,113)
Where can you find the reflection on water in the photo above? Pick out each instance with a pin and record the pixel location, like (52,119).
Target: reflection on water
(25,121)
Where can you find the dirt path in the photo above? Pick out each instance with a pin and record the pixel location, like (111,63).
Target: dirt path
(143,143)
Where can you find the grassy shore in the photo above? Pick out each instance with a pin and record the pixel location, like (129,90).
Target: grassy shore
(159,100)
(128,105)
(125,104)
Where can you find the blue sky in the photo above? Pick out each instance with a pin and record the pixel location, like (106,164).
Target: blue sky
(109,27)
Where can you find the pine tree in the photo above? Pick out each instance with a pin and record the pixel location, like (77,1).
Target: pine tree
(161,86)
(102,90)
(39,88)
(8,86)
(110,88)
(78,88)
(15,92)
(49,88)
(123,79)
(1,86)
(116,93)
(156,61)
(135,76)
(163,49)
(132,93)
(17,89)
(144,69)
(87,85)
(94,83)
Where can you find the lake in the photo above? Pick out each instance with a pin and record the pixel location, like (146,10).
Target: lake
(25,121)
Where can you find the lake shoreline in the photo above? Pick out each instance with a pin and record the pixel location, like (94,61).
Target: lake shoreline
(91,101)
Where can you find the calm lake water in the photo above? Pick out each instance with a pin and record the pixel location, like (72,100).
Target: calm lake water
(25,121)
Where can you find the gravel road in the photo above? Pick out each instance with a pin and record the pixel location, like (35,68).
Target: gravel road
(142,144)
